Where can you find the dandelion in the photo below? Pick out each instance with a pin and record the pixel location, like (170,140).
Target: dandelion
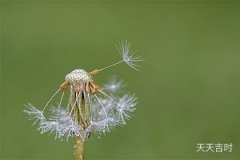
(90,109)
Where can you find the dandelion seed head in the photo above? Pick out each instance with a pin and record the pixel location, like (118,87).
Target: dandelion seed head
(78,75)
(90,108)
(128,55)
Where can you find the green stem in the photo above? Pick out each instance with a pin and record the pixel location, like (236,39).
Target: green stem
(79,146)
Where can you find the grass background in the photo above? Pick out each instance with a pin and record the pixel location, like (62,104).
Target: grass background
(188,88)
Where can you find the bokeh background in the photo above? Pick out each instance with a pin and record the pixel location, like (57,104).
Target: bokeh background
(188,87)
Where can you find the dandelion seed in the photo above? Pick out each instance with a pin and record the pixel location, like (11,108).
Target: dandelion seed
(128,55)
(103,126)
(90,109)
(113,85)
(34,113)
(126,106)
(69,129)
(48,126)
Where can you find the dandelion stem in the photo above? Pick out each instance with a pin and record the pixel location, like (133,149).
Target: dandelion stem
(75,113)
(79,111)
(79,146)
(111,65)
(81,116)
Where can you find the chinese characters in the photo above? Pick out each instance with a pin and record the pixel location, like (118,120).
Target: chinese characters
(211,147)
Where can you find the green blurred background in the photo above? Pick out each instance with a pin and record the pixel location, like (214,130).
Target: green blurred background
(188,87)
